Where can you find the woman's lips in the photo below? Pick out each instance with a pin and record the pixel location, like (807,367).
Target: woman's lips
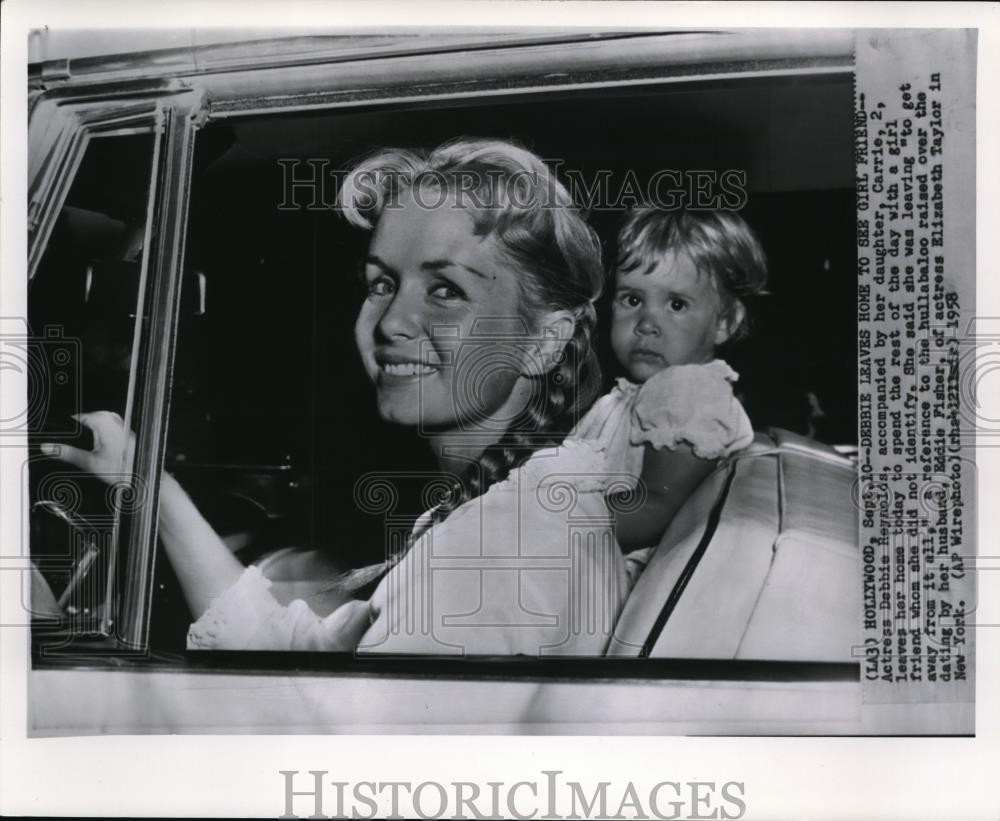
(400,370)
(406,368)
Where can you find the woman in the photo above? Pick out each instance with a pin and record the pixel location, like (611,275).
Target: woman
(476,332)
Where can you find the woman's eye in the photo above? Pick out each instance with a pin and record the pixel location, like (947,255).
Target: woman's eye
(447,292)
(381,286)
(677,305)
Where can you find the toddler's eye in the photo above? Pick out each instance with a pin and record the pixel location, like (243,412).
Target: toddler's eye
(629,300)
(381,286)
(677,305)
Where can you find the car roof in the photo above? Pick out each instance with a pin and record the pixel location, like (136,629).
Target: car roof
(105,54)
(50,44)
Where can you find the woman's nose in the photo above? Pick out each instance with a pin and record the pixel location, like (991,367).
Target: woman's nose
(401,318)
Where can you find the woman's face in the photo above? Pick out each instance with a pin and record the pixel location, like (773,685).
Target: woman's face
(434,332)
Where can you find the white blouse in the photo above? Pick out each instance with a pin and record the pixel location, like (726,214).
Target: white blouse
(530,567)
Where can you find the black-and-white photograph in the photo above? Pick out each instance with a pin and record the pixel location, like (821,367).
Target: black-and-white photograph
(549,380)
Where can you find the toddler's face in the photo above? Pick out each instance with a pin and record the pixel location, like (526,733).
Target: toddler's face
(670,316)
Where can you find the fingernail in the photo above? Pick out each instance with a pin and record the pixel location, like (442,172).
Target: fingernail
(49,449)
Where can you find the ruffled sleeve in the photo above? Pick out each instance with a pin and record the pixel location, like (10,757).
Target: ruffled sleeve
(248,617)
(693,404)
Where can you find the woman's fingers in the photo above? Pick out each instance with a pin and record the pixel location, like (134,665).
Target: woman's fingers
(112,445)
(106,426)
(97,417)
(67,453)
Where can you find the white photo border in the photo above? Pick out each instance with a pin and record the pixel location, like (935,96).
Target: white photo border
(239,776)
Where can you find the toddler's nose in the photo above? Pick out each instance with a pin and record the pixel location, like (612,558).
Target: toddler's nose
(646,327)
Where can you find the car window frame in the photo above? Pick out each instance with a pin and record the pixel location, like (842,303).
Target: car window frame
(61,127)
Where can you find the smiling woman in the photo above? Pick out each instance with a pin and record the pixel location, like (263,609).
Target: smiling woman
(440,272)
(479,566)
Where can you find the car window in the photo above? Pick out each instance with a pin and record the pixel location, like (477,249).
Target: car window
(267,381)
(85,314)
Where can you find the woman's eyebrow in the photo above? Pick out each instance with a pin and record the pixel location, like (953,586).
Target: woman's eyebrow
(439,264)
(429,265)
(371,259)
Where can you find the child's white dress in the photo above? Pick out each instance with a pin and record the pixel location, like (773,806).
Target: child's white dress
(691,404)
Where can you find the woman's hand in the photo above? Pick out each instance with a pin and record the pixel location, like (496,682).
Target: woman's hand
(111,455)
(204,565)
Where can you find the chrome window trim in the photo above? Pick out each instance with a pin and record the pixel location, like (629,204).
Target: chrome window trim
(60,129)
(308,73)
(181,119)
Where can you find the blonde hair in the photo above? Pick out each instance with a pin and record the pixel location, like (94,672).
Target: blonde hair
(719,243)
(512,197)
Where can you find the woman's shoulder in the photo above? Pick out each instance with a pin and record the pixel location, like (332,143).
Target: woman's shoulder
(604,413)
(581,462)
(607,426)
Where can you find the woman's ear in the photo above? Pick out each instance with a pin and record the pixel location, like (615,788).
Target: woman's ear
(555,329)
(729,321)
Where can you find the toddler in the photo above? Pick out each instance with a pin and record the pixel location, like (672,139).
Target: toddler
(680,283)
